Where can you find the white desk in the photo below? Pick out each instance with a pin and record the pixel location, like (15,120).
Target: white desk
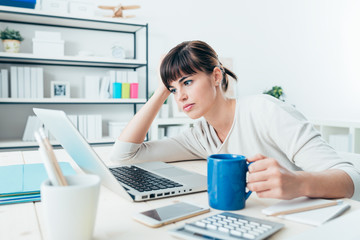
(25,221)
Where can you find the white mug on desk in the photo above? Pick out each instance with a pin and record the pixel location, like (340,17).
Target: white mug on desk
(70,211)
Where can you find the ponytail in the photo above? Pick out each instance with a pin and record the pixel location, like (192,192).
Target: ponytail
(225,80)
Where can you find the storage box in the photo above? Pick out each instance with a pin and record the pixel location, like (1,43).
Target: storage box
(81,9)
(55,6)
(19,3)
(115,128)
(48,48)
(50,36)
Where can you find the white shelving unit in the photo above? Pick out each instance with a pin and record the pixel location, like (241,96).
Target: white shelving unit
(72,100)
(342,135)
(166,122)
(79,34)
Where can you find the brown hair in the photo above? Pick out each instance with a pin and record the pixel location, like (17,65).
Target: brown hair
(191,57)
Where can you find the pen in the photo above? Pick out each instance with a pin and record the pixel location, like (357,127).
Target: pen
(303,209)
(52,158)
(51,165)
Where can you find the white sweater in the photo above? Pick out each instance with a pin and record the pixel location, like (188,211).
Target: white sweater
(262,124)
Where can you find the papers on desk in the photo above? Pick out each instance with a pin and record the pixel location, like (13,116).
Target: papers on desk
(344,227)
(314,217)
(21,183)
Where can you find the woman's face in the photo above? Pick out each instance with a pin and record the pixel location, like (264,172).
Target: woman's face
(195,94)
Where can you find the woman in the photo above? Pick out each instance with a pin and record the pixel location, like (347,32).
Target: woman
(290,159)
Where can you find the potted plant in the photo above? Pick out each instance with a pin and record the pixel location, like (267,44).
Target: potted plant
(11,40)
(276,91)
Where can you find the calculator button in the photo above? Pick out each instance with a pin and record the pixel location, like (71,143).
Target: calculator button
(248,236)
(266,226)
(259,230)
(222,229)
(255,224)
(254,233)
(200,224)
(211,227)
(235,233)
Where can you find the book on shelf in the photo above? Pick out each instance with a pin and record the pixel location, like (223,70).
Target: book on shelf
(104,87)
(92,87)
(89,126)
(33,83)
(112,76)
(21,82)
(26,82)
(13,82)
(123,80)
(4,83)
(40,83)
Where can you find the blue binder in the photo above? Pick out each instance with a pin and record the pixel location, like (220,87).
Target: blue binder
(21,183)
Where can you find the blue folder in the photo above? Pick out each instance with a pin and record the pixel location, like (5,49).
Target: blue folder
(20,183)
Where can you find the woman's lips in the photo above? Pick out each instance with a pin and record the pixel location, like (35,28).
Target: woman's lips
(188,107)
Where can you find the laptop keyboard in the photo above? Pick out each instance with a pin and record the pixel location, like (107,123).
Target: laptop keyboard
(233,226)
(142,180)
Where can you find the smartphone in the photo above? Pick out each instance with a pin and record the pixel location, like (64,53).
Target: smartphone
(169,214)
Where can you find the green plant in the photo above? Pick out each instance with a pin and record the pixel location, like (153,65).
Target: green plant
(11,34)
(275,91)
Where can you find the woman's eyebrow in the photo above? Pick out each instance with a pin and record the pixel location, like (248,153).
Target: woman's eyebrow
(181,80)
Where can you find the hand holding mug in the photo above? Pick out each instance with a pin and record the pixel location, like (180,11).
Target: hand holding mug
(271,180)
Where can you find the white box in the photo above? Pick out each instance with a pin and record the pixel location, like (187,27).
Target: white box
(49,36)
(48,48)
(56,6)
(81,9)
(115,128)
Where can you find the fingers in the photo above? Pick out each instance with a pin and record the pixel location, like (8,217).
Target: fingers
(263,164)
(256,157)
(258,176)
(259,186)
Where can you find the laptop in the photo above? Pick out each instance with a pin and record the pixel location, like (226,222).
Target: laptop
(138,182)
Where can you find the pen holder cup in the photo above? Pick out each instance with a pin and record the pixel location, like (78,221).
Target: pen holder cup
(70,211)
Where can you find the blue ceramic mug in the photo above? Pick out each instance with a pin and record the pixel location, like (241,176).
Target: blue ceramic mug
(227,181)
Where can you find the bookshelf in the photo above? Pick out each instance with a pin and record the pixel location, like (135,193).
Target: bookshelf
(168,122)
(79,33)
(343,136)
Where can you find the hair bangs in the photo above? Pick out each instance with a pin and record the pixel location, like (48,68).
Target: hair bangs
(178,65)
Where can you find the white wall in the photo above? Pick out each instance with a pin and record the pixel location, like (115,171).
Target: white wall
(310,47)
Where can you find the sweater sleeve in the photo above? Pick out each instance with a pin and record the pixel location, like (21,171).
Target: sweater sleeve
(182,147)
(303,144)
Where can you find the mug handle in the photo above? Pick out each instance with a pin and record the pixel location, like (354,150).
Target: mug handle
(248,193)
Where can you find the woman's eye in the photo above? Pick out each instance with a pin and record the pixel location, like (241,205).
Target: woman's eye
(173,90)
(187,82)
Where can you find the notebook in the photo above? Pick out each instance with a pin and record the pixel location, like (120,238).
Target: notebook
(74,143)
(21,183)
(314,217)
(344,227)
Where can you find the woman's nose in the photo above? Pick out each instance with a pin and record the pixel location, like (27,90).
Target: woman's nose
(181,96)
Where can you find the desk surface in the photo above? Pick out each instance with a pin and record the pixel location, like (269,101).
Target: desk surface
(114,221)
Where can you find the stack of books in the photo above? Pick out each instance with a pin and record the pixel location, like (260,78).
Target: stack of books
(26,82)
(90,127)
(21,183)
